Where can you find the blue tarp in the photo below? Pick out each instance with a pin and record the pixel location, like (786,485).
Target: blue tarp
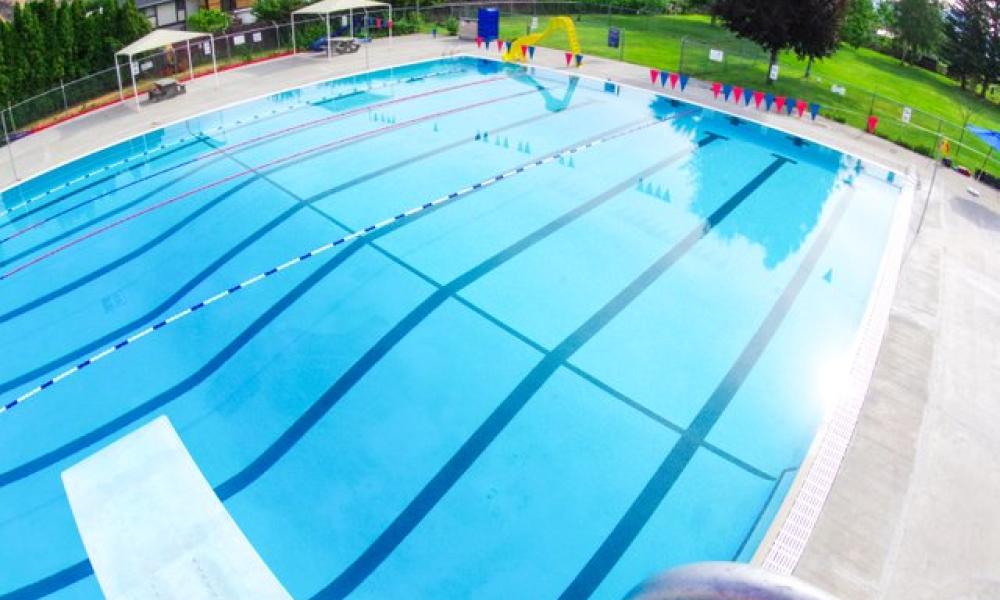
(987,135)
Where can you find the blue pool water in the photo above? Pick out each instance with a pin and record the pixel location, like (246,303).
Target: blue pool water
(609,361)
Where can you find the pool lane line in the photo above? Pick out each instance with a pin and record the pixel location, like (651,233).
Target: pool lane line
(255,170)
(304,202)
(219,261)
(460,462)
(680,456)
(187,141)
(254,140)
(80,570)
(326,247)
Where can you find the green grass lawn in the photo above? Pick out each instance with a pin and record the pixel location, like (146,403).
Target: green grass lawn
(656,41)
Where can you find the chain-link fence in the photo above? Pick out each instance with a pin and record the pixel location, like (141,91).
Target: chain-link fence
(918,130)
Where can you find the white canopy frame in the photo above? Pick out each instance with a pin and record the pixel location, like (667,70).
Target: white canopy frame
(160,38)
(328,7)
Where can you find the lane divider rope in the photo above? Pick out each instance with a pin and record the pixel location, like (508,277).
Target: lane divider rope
(327,146)
(254,140)
(324,248)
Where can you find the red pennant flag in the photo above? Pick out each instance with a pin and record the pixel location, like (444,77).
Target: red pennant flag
(801,106)
(479,42)
(738,94)
(716,89)
(378,22)
(569,58)
(758,97)
(780,101)
(524,50)
(653,74)
(674,77)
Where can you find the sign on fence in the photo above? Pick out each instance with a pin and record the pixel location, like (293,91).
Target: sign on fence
(907,114)
(839,90)
(774,72)
(147,65)
(614,37)
(716,55)
(135,68)
(256,37)
(239,40)
(534,23)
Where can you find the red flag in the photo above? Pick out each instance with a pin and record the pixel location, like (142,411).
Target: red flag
(524,50)
(801,106)
(758,97)
(780,101)
(716,89)
(673,80)
(653,74)
(872,123)
(569,58)
(479,42)
(737,94)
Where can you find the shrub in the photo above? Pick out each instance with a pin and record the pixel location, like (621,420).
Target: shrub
(451,25)
(209,21)
(276,10)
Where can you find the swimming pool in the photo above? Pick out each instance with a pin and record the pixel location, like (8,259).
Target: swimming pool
(448,329)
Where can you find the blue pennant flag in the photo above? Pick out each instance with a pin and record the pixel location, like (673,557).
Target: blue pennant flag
(684,81)
(814,110)
(726,91)
(769,100)
(747,97)
(663,78)
(790,107)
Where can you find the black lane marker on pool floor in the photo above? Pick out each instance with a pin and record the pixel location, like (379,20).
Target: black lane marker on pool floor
(415,317)
(93,345)
(669,471)
(80,570)
(459,463)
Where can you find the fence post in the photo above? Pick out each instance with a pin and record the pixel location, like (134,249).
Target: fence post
(62,86)
(6,135)
(680,67)
(10,111)
(871,108)
(961,136)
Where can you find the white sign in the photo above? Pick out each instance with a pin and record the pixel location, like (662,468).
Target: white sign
(343,21)
(239,40)
(838,89)
(534,23)
(774,72)
(907,114)
(716,55)
(256,37)
(135,68)
(147,65)
(207,47)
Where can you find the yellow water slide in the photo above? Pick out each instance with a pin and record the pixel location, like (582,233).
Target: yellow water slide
(555,24)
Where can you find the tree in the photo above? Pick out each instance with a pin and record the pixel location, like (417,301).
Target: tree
(808,27)
(277,11)
(860,23)
(208,20)
(920,25)
(967,40)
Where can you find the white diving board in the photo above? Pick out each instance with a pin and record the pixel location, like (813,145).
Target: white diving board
(153,527)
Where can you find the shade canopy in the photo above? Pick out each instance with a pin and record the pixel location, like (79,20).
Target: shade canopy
(325,7)
(159,38)
(987,135)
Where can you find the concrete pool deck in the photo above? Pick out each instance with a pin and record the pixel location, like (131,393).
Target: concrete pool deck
(913,511)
